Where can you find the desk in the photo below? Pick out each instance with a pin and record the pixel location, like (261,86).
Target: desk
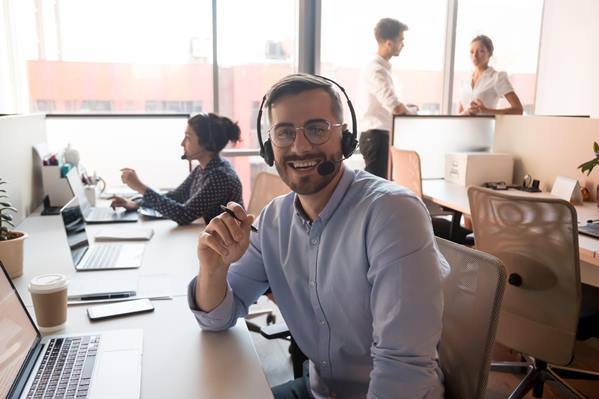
(179,359)
(455,196)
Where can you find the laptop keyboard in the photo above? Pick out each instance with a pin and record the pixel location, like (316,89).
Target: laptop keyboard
(66,369)
(102,256)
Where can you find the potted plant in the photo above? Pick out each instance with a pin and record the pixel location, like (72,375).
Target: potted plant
(11,242)
(588,166)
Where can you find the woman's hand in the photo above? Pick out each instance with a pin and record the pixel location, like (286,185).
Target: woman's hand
(129,177)
(123,203)
(225,239)
(477,107)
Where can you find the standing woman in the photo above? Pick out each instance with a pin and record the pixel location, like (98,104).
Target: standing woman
(211,184)
(481,92)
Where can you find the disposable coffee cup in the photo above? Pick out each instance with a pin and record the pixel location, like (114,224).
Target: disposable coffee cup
(49,295)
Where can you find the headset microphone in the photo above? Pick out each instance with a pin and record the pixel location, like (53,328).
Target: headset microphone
(188,157)
(328,167)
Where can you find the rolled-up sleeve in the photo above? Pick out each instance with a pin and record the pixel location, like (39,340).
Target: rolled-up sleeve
(406,273)
(503,85)
(382,88)
(220,318)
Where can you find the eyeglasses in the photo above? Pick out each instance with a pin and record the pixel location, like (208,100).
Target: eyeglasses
(316,132)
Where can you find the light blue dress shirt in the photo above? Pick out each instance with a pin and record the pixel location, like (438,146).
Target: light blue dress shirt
(360,288)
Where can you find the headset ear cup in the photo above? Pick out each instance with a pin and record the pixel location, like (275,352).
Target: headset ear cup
(348,143)
(267,153)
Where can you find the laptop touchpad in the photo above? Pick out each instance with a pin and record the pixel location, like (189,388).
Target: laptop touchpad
(118,375)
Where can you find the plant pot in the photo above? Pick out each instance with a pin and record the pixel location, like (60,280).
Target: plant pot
(11,253)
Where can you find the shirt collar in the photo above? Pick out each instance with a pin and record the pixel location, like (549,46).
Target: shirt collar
(214,162)
(334,201)
(386,64)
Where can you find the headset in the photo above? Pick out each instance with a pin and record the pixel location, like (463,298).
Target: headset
(210,145)
(349,140)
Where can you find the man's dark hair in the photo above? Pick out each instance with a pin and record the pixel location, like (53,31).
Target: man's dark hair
(300,82)
(388,29)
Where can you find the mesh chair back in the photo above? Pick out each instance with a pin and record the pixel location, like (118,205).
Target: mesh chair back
(266,187)
(472,292)
(405,170)
(537,241)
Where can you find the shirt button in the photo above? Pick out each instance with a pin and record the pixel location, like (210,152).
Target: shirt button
(324,363)
(312,284)
(314,241)
(322,322)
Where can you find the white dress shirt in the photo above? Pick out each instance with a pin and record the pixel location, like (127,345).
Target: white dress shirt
(491,87)
(360,289)
(377,97)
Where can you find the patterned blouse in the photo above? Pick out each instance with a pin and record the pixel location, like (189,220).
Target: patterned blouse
(199,195)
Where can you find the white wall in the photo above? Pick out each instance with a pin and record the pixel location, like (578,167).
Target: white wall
(18,163)
(568,76)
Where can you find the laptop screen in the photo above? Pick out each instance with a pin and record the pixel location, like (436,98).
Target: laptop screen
(74,227)
(77,188)
(18,335)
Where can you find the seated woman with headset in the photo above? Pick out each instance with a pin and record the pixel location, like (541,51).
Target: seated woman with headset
(213,183)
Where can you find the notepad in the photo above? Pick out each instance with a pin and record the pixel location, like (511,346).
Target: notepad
(124,233)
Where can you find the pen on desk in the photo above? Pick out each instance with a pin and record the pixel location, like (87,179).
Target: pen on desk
(108,296)
(230,212)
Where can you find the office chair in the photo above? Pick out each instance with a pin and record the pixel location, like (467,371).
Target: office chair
(406,171)
(472,299)
(537,240)
(472,292)
(266,186)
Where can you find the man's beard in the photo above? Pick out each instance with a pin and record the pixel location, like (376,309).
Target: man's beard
(307,185)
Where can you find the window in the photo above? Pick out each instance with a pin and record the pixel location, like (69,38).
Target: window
(348,44)
(514,26)
(257,45)
(128,56)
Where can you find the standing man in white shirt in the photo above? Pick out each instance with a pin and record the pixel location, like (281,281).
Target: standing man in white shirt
(378,100)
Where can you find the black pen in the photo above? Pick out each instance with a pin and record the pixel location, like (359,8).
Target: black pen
(230,212)
(108,296)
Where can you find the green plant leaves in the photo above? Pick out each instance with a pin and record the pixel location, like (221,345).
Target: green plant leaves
(587,167)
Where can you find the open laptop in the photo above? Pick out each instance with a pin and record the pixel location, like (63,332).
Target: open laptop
(95,365)
(97,214)
(590,229)
(97,256)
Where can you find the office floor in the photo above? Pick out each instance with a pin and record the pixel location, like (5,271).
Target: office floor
(274,358)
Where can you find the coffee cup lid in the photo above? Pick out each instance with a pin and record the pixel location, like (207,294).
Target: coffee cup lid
(48,283)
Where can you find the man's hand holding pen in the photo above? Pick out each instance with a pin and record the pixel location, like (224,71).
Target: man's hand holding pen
(225,239)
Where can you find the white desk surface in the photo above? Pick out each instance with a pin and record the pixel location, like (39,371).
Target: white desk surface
(179,359)
(172,250)
(455,196)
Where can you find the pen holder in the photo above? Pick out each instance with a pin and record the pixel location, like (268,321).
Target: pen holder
(92,191)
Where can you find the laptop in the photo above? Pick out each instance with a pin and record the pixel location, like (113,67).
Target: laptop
(97,256)
(94,365)
(590,229)
(97,214)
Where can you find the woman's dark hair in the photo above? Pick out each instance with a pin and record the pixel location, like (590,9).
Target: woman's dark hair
(485,41)
(213,131)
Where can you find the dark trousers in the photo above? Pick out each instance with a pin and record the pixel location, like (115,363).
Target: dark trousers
(374,147)
(294,389)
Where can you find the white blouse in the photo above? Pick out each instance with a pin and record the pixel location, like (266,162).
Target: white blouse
(491,86)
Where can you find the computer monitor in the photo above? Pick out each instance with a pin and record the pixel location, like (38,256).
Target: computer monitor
(432,136)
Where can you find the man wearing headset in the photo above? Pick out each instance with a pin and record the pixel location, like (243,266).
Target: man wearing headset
(350,258)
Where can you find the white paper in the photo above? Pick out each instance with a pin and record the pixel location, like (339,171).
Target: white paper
(567,189)
(124,233)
